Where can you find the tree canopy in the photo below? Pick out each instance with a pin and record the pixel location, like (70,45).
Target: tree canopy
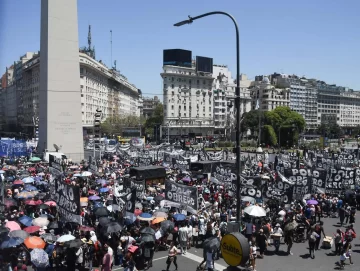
(114,125)
(280,121)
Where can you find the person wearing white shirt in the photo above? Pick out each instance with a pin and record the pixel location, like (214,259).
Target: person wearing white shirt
(190,234)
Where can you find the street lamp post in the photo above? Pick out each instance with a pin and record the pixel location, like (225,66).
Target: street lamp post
(237,102)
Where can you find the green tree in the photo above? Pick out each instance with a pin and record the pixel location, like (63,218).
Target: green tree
(156,118)
(250,121)
(114,125)
(269,136)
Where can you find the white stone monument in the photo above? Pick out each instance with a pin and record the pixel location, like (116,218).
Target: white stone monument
(60,100)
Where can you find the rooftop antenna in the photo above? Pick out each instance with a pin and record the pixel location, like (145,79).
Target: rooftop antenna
(110,47)
(89,38)
(115,65)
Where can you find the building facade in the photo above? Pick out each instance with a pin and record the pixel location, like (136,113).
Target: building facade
(149,105)
(188,102)
(100,87)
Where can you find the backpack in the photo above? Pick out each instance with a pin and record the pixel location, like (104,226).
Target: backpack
(312,238)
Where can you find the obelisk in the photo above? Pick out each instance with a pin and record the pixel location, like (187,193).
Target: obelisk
(60,98)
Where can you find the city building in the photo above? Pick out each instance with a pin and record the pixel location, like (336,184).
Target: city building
(149,105)
(187,95)
(224,99)
(267,97)
(101,88)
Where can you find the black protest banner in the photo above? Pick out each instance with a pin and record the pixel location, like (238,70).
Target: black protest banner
(281,191)
(345,159)
(167,158)
(125,203)
(301,179)
(224,172)
(357,177)
(339,177)
(67,198)
(144,161)
(186,196)
(318,179)
(251,192)
(130,183)
(181,163)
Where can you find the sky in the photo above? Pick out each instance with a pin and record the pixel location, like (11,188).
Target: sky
(316,39)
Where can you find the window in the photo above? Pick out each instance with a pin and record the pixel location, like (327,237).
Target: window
(172,107)
(172,85)
(165,86)
(172,79)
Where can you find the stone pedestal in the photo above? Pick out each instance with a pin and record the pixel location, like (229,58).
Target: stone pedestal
(60,97)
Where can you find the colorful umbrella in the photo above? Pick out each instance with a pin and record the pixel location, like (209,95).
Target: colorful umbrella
(19,234)
(179,217)
(12,226)
(94,197)
(34,159)
(50,203)
(41,221)
(137,212)
(39,258)
(34,242)
(65,238)
(30,188)
(26,195)
(18,182)
(160,214)
(86,228)
(158,220)
(32,229)
(312,202)
(145,217)
(33,202)
(11,242)
(10,202)
(104,190)
(25,220)
(28,180)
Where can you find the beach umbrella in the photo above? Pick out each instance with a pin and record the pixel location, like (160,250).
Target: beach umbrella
(40,221)
(147,230)
(103,221)
(49,238)
(30,188)
(145,217)
(147,238)
(20,234)
(32,229)
(11,242)
(312,202)
(158,220)
(53,225)
(18,182)
(211,243)
(94,197)
(101,211)
(160,214)
(111,228)
(167,225)
(12,226)
(86,174)
(65,238)
(255,211)
(179,217)
(35,159)
(33,202)
(34,242)
(28,180)
(104,190)
(39,258)
(10,202)
(50,203)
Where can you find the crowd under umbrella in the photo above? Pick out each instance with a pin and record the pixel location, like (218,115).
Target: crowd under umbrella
(74,243)
(86,228)
(102,211)
(49,238)
(148,238)
(40,221)
(211,243)
(104,190)
(3,229)
(10,203)
(18,182)
(50,203)
(20,234)
(145,217)
(25,220)
(32,229)
(34,242)
(95,197)
(255,211)
(160,214)
(312,202)
(39,258)
(111,228)
(12,226)
(53,225)
(167,226)
(11,242)
(147,230)
(65,238)
(158,220)
(44,206)
(30,188)
(103,221)
(179,217)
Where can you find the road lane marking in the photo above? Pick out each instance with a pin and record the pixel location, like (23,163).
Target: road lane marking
(200,259)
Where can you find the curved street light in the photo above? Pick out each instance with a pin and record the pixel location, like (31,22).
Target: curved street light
(237,149)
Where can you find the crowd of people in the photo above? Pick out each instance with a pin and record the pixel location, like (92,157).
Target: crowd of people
(33,232)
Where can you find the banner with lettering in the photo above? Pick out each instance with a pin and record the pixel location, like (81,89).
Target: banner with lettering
(144,161)
(318,180)
(181,163)
(130,183)
(301,179)
(186,196)
(13,148)
(92,165)
(67,198)
(339,177)
(125,203)
(345,159)
(225,172)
